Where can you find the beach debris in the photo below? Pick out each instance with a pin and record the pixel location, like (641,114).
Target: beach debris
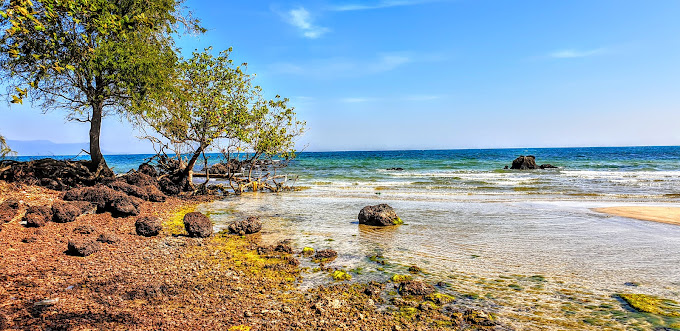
(250,225)
(107,199)
(524,163)
(415,287)
(325,255)
(651,304)
(46,302)
(64,212)
(148,226)
(37,216)
(108,238)
(198,225)
(82,247)
(379,215)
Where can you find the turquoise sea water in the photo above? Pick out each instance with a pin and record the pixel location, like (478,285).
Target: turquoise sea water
(525,245)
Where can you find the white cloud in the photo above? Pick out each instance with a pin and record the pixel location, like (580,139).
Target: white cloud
(573,53)
(302,19)
(342,67)
(382,4)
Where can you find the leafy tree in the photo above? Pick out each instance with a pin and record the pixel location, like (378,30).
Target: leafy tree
(214,100)
(89,57)
(4,148)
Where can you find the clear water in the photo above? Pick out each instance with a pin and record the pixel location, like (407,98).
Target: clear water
(523,244)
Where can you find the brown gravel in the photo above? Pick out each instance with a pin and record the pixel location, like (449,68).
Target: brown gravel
(172,281)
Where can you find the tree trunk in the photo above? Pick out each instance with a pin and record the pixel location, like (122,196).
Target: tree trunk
(189,170)
(98,164)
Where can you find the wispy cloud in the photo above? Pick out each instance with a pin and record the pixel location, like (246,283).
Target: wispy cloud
(575,53)
(302,19)
(381,4)
(342,67)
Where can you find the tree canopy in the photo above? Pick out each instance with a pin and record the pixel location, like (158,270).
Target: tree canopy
(89,57)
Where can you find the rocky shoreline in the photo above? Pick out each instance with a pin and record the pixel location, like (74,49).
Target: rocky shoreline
(173,281)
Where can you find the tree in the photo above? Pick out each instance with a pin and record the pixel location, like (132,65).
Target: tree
(214,100)
(4,148)
(89,57)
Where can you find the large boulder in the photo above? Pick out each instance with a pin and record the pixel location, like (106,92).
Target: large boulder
(148,226)
(37,216)
(168,186)
(198,225)
(250,225)
(8,210)
(137,178)
(64,212)
(106,199)
(148,170)
(524,163)
(415,287)
(379,215)
(83,247)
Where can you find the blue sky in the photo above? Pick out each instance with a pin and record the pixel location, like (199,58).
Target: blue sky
(419,74)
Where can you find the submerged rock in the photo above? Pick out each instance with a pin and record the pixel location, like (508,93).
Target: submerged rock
(82,247)
(325,255)
(547,166)
(148,226)
(379,215)
(250,225)
(198,225)
(524,163)
(415,287)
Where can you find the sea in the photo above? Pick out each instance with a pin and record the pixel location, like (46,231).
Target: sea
(526,246)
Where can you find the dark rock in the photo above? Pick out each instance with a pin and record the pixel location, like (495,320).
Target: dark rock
(64,212)
(198,225)
(325,255)
(108,238)
(155,195)
(148,170)
(84,229)
(107,199)
(37,216)
(148,226)
(135,191)
(547,166)
(250,225)
(50,184)
(524,163)
(82,247)
(139,179)
(395,169)
(415,287)
(506,168)
(284,248)
(415,269)
(379,215)
(8,210)
(168,186)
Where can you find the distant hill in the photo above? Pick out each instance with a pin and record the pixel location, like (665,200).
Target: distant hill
(46,148)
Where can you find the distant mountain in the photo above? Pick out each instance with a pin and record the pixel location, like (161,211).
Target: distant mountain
(46,148)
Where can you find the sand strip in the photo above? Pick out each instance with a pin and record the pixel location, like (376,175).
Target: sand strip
(669,215)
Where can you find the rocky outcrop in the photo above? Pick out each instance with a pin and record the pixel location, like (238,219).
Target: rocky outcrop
(107,200)
(415,287)
(250,225)
(524,163)
(82,247)
(148,226)
(379,215)
(64,212)
(37,216)
(198,225)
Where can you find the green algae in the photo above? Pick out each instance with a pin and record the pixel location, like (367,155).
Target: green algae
(307,251)
(651,304)
(440,298)
(340,275)
(401,278)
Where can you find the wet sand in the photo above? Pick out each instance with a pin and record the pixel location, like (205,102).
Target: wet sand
(669,215)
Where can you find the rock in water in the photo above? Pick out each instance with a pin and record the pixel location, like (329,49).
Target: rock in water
(148,226)
(198,225)
(547,166)
(82,247)
(250,225)
(415,287)
(380,215)
(64,212)
(37,216)
(524,163)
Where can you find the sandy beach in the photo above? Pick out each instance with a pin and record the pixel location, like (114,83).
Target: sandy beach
(669,215)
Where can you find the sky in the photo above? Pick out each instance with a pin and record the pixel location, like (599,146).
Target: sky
(439,74)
